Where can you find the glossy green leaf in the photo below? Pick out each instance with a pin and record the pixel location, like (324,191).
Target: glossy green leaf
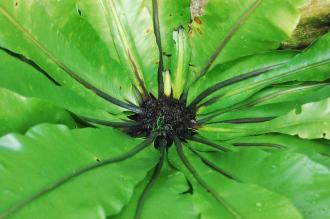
(170,197)
(311,120)
(315,150)
(229,30)
(293,175)
(260,203)
(20,113)
(311,65)
(131,29)
(47,153)
(172,15)
(58,44)
(258,146)
(238,67)
(273,101)
(95,14)
(27,81)
(180,62)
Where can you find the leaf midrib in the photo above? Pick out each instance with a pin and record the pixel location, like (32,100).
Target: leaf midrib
(261,130)
(280,93)
(65,68)
(77,172)
(125,42)
(233,30)
(276,77)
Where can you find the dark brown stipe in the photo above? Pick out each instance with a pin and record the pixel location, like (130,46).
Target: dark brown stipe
(81,123)
(155,16)
(258,145)
(246,120)
(239,106)
(102,94)
(152,181)
(231,81)
(136,73)
(254,102)
(77,78)
(138,95)
(170,163)
(7,213)
(230,109)
(235,107)
(183,97)
(325,154)
(201,181)
(190,189)
(209,102)
(208,143)
(24,59)
(243,18)
(214,166)
(107,97)
(124,124)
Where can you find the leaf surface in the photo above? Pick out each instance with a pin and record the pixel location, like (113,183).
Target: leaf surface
(293,175)
(273,102)
(29,82)
(248,200)
(58,44)
(47,153)
(19,113)
(309,121)
(239,28)
(168,194)
(311,65)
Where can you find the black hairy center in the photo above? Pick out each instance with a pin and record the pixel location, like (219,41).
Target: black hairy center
(166,116)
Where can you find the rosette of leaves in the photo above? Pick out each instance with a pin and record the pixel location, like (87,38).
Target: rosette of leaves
(138,109)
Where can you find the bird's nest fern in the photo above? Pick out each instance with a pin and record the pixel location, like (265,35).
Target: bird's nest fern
(168,119)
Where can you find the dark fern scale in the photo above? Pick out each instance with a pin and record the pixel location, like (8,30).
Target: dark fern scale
(166,116)
(161,121)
